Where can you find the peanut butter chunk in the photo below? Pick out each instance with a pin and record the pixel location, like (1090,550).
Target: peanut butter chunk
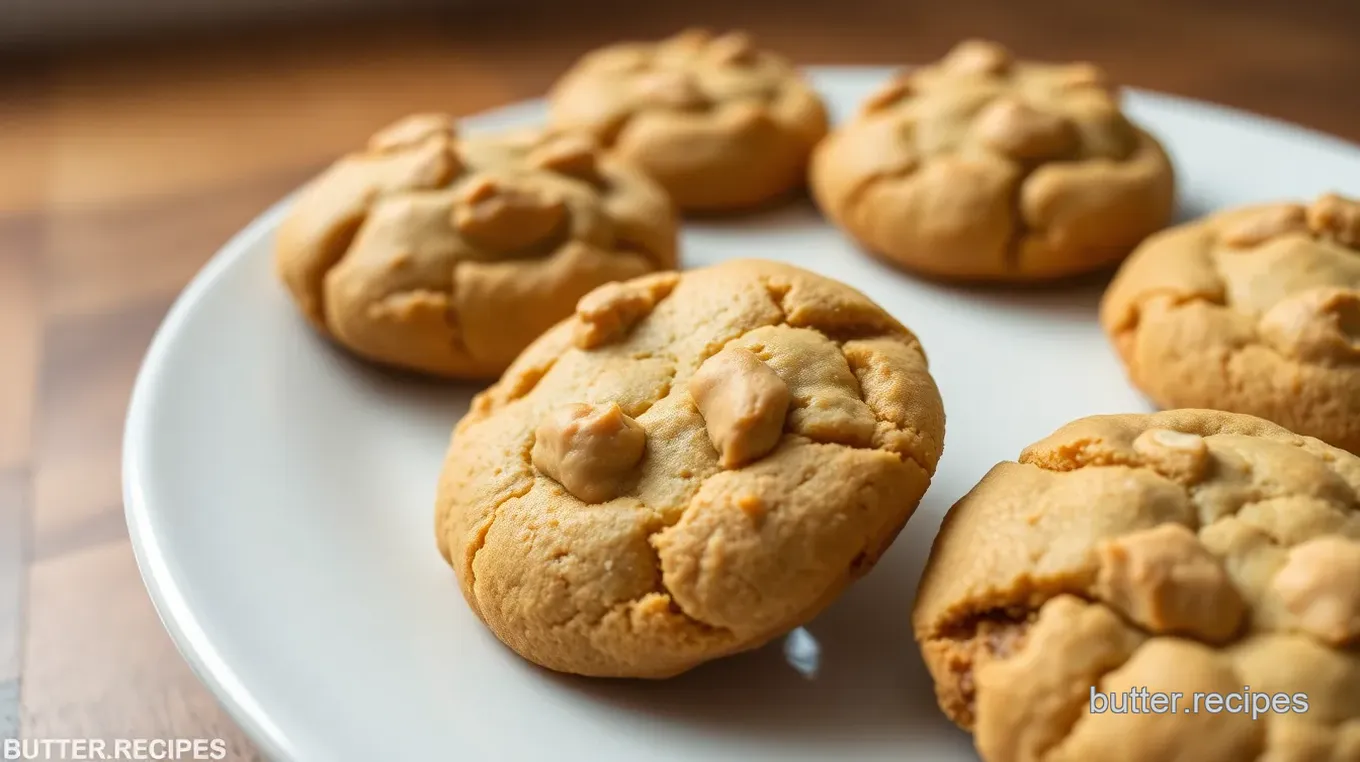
(1336,217)
(508,219)
(573,155)
(1018,130)
(1319,585)
(610,311)
(589,449)
(412,131)
(1264,224)
(1320,325)
(1166,581)
(978,56)
(1176,455)
(743,403)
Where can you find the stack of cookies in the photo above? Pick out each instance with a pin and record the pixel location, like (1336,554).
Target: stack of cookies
(672,467)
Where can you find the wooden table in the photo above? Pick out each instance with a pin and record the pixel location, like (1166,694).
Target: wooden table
(122,169)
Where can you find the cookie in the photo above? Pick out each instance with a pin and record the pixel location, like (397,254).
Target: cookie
(722,124)
(689,466)
(1253,310)
(448,255)
(1189,552)
(984,168)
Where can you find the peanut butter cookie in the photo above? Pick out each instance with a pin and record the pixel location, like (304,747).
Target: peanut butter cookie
(689,466)
(1253,310)
(984,168)
(722,124)
(1207,562)
(448,255)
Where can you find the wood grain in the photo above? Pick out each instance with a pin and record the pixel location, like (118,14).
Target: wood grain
(87,379)
(125,679)
(20,347)
(123,167)
(112,258)
(20,336)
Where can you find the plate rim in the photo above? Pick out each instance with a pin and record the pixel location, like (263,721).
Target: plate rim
(177,615)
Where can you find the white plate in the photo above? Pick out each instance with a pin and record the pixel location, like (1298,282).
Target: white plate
(279,496)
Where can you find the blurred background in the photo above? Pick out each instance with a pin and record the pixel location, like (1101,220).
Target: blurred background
(137,135)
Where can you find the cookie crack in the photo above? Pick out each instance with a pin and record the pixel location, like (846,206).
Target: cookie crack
(838,335)
(488,402)
(869,182)
(456,340)
(1020,616)
(663,394)
(969,630)
(1019,604)
(625,245)
(841,333)
(451,318)
(479,542)
(663,589)
(1174,299)
(912,457)
(844,334)
(611,131)
(1071,727)
(1081,453)
(910,431)
(588,621)
(337,251)
(1029,605)
(1020,229)
(777,293)
(1072,457)
(592,621)
(906,455)
(1086,453)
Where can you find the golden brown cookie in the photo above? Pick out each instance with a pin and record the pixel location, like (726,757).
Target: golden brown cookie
(1190,551)
(689,466)
(984,168)
(1254,310)
(722,124)
(448,255)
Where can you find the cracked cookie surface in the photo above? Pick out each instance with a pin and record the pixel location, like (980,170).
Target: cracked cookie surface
(720,123)
(981,167)
(720,536)
(1253,310)
(448,255)
(1185,551)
